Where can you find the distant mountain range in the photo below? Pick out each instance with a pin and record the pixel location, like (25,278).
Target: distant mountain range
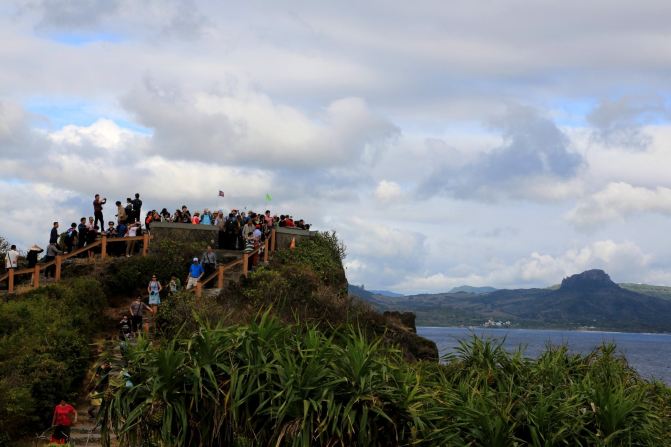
(586,300)
(386,293)
(471,289)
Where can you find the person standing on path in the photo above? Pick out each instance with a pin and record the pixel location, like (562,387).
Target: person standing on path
(209,260)
(131,232)
(98,210)
(53,237)
(195,273)
(12,258)
(154,288)
(65,416)
(137,308)
(137,207)
(31,257)
(120,213)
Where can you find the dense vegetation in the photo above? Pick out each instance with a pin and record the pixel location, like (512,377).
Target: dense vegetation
(286,357)
(311,371)
(44,351)
(268,383)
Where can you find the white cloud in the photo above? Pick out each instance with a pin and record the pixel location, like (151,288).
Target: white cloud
(618,201)
(387,191)
(246,127)
(624,261)
(339,115)
(104,133)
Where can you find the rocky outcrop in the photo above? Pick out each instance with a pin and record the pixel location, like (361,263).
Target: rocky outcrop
(588,280)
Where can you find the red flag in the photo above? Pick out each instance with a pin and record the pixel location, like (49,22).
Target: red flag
(221,193)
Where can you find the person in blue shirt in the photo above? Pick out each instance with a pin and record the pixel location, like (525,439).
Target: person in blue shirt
(195,273)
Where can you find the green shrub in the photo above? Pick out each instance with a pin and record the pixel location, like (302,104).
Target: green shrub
(131,275)
(322,253)
(268,383)
(44,351)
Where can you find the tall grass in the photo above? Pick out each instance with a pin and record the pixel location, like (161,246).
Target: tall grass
(267,383)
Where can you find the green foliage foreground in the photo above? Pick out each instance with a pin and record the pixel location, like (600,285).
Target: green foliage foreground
(268,383)
(44,351)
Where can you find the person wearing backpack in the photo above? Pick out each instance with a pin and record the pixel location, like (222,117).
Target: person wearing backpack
(232,230)
(12,258)
(137,207)
(130,215)
(71,237)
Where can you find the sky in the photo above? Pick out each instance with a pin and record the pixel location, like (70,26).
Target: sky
(507,144)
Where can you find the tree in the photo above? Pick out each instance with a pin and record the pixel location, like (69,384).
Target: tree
(4,247)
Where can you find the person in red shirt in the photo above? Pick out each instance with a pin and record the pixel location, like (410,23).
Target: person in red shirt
(65,416)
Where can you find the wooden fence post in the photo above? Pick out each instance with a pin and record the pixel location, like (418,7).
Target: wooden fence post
(57,274)
(145,244)
(103,246)
(273,240)
(199,290)
(245,264)
(220,277)
(10,286)
(36,277)
(265,251)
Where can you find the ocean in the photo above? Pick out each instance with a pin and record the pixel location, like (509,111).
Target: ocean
(649,354)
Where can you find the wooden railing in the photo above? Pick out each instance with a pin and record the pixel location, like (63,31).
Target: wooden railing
(268,246)
(57,263)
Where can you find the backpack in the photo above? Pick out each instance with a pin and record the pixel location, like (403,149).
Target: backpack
(231,225)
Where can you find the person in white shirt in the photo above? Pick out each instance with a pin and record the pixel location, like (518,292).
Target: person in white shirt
(132,232)
(12,258)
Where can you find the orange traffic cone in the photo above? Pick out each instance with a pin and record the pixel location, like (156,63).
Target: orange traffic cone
(292,245)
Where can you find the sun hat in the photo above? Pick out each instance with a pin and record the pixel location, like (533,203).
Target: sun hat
(35,247)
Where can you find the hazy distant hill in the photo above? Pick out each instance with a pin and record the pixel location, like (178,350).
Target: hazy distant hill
(387,293)
(588,299)
(471,289)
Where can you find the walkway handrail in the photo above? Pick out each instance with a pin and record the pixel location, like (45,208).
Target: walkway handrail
(219,274)
(103,242)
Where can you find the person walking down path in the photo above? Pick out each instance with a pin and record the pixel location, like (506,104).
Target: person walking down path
(52,252)
(137,309)
(98,210)
(175,285)
(195,273)
(154,288)
(12,258)
(65,416)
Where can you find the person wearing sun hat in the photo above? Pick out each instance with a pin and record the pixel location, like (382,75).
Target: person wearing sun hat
(195,273)
(31,257)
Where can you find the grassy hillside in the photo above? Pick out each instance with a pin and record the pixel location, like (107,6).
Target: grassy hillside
(662,292)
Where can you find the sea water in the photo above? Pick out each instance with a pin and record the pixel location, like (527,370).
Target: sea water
(649,354)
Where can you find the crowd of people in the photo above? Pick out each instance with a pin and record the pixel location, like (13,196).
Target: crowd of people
(238,230)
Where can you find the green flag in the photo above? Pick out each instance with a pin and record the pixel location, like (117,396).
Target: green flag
(268,197)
